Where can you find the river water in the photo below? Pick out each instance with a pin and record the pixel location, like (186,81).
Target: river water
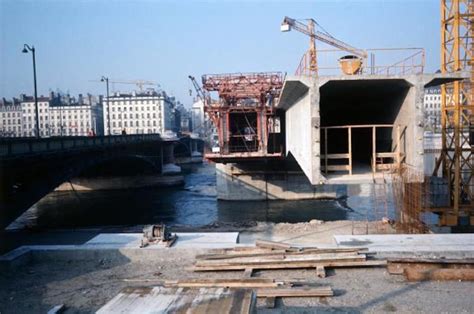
(193,204)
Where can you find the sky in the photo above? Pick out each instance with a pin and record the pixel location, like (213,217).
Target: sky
(78,41)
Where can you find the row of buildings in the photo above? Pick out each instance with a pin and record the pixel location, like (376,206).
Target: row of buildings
(62,115)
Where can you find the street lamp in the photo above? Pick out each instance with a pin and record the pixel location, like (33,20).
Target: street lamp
(106,80)
(27,48)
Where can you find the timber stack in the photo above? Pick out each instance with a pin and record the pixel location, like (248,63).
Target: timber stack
(268,255)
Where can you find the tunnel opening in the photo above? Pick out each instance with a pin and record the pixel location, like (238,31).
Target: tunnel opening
(360,124)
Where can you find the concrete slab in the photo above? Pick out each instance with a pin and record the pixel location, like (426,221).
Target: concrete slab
(185,239)
(410,242)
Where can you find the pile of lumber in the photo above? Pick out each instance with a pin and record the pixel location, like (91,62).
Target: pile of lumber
(275,255)
(422,269)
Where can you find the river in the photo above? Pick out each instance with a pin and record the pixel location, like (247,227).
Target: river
(193,204)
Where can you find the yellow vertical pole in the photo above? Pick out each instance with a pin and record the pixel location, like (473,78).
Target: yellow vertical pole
(457,109)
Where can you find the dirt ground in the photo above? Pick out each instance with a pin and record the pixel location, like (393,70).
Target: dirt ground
(85,286)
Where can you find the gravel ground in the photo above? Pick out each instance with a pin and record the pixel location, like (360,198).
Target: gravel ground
(84,287)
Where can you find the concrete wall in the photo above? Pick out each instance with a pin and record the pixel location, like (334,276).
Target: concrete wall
(410,116)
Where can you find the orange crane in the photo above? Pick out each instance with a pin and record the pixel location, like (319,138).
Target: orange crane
(309,29)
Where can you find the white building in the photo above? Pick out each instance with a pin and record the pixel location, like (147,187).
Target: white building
(139,113)
(10,118)
(432,106)
(29,116)
(58,116)
(199,118)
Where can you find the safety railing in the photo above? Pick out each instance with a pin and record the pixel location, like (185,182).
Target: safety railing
(22,146)
(380,160)
(389,61)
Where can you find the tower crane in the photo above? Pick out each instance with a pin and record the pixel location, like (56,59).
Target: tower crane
(308,27)
(138,83)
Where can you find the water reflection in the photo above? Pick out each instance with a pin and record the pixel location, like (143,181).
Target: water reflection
(193,204)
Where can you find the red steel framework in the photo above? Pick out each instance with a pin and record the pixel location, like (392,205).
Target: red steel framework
(241,95)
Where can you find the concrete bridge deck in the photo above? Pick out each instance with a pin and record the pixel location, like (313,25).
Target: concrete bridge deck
(30,168)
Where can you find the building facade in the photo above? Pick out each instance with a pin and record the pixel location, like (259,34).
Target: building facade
(11,119)
(139,113)
(432,109)
(59,115)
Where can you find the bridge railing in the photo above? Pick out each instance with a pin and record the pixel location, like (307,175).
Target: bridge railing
(21,146)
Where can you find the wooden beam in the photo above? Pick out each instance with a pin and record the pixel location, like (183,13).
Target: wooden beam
(272,245)
(292,265)
(295,292)
(413,274)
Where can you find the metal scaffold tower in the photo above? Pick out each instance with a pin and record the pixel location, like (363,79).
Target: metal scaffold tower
(456,160)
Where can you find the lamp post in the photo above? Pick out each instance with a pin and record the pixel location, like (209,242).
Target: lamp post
(27,48)
(106,80)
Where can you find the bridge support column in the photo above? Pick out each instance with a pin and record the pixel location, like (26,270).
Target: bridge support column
(168,163)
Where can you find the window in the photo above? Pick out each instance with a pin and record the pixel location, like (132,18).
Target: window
(113,124)
(131,123)
(125,124)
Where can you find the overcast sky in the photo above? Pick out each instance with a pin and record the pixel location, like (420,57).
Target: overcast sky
(165,41)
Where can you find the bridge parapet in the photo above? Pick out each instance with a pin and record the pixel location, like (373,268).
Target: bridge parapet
(24,146)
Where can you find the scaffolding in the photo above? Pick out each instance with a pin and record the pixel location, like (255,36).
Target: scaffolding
(244,115)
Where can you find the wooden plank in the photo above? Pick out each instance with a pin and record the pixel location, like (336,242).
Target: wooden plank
(349,141)
(336,156)
(374,149)
(272,245)
(336,167)
(320,271)
(385,166)
(326,150)
(432,260)
(293,265)
(414,274)
(398,267)
(267,252)
(243,254)
(248,272)
(182,300)
(295,292)
(386,155)
(224,283)
(314,258)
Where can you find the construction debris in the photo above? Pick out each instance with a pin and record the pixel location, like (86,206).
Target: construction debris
(158,234)
(274,255)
